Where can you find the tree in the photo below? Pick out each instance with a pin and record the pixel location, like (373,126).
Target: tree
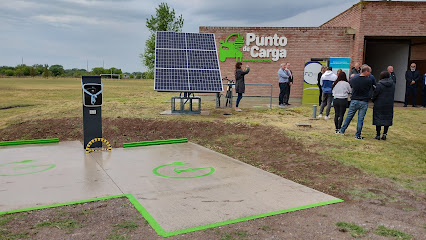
(39,69)
(56,70)
(46,72)
(99,71)
(164,20)
(32,72)
(22,70)
(114,70)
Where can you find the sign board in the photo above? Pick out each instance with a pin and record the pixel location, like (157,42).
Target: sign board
(310,82)
(343,63)
(260,48)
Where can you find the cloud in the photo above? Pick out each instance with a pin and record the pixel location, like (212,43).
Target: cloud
(70,32)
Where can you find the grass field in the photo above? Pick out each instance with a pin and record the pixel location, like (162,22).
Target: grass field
(402,158)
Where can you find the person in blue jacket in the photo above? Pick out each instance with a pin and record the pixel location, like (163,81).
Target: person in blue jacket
(327,80)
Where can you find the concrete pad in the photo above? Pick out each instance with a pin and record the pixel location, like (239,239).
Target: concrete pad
(178,187)
(45,174)
(177,201)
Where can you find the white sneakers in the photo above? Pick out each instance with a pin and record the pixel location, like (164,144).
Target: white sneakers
(326,117)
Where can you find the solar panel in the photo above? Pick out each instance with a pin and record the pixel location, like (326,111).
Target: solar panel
(186,62)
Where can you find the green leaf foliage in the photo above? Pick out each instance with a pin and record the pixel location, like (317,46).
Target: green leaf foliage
(165,19)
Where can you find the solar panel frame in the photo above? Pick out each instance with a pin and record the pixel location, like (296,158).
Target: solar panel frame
(196,62)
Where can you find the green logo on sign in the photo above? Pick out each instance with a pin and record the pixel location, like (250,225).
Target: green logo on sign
(229,49)
(184,171)
(23,168)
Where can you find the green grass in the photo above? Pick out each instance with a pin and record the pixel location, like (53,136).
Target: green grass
(67,224)
(5,219)
(127,225)
(117,236)
(400,158)
(383,231)
(7,235)
(355,230)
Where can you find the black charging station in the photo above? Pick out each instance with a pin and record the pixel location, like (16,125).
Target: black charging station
(92,114)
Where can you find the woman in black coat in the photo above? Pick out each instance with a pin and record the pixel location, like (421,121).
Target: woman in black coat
(383,98)
(240,86)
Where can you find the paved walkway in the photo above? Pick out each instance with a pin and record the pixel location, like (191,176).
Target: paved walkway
(180,185)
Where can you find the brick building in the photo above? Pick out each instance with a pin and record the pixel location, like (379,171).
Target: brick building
(378,33)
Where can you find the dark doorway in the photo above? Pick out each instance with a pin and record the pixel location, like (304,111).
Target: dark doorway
(379,54)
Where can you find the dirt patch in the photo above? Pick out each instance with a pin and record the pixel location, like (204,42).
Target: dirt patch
(369,201)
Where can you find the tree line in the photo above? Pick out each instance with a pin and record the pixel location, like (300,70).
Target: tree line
(46,71)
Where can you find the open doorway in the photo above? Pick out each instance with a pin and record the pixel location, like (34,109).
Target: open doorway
(379,54)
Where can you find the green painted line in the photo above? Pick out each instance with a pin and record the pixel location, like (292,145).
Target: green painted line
(156,226)
(193,229)
(157,142)
(35,141)
(61,204)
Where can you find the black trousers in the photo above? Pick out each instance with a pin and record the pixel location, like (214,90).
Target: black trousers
(320,95)
(385,130)
(410,91)
(340,105)
(287,94)
(283,90)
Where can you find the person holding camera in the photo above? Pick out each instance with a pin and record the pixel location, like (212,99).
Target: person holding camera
(240,85)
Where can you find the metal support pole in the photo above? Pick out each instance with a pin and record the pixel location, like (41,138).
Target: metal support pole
(270,105)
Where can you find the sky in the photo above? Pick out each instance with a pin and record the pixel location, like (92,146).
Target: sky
(112,33)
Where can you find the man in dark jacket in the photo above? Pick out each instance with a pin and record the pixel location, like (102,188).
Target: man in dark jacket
(355,70)
(392,74)
(412,77)
(290,82)
(361,86)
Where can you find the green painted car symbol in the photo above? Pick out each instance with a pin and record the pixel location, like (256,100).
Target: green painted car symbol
(179,170)
(24,167)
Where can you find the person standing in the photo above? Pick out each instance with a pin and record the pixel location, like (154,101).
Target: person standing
(283,81)
(240,85)
(392,74)
(323,69)
(412,76)
(341,90)
(383,98)
(361,86)
(290,82)
(327,80)
(355,69)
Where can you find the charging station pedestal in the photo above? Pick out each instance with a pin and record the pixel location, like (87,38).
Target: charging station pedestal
(92,114)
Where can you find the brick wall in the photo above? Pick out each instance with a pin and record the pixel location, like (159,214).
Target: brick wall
(369,19)
(302,45)
(418,49)
(381,18)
